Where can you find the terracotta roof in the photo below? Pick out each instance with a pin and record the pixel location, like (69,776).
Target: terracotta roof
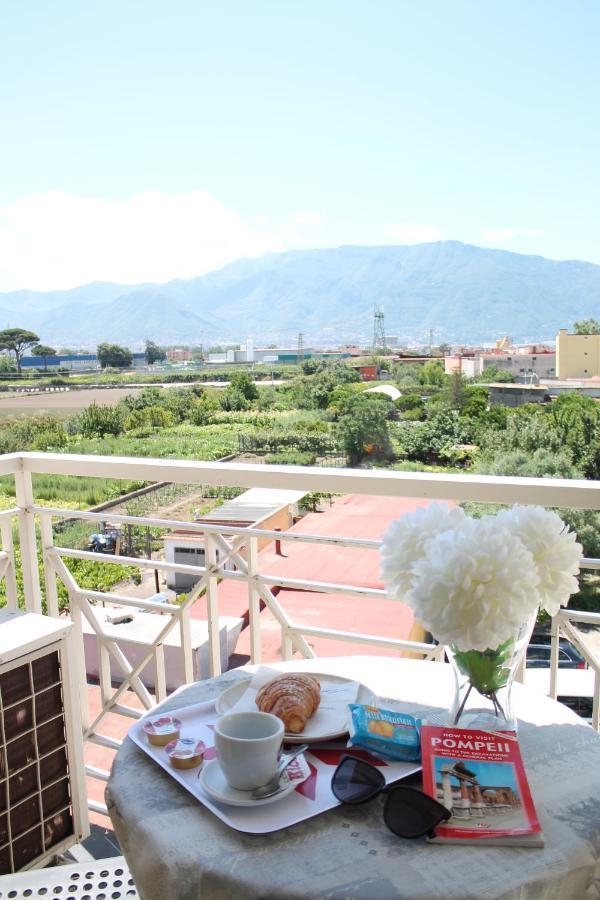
(350,516)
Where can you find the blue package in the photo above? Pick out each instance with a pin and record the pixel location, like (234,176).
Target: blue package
(390,734)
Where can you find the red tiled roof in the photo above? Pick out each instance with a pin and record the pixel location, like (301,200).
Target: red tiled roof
(352,516)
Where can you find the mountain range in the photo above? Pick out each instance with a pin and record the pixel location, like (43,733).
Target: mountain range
(461,292)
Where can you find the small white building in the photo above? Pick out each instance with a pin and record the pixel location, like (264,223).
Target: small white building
(267,508)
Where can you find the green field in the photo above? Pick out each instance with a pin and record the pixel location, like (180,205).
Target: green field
(320,416)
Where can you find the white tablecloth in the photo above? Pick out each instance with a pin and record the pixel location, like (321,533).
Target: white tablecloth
(177,850)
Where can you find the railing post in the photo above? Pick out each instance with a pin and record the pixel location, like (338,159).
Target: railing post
(287,644)
(185,637)
(27,540)
(160,681)
(10,577)
(49,571)
(254,601)
(212,606)
(105,676)
(596,702)
(554,647)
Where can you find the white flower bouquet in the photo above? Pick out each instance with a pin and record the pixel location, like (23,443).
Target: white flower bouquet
(474,583)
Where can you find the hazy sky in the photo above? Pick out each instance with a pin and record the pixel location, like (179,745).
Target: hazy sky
(144,140)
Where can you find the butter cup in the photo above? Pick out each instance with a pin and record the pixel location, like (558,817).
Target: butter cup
(185,753)
(162,730)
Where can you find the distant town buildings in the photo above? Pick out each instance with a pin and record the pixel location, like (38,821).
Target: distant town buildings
(178,354)
(251,354)
(577,355)
(75,362)
(525,364)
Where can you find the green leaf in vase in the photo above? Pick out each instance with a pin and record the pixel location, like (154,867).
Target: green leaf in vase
(485,668)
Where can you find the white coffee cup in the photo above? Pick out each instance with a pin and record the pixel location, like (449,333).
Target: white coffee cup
(248,745)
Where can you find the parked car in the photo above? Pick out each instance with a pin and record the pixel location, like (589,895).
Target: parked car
(538,656)
(583,706)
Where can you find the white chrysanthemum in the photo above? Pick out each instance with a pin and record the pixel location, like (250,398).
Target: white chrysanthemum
(406,541)
(554,548)
(475,586)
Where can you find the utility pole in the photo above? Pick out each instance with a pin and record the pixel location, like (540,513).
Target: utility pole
(379,344)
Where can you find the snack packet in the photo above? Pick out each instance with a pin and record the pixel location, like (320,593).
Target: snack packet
(390,734)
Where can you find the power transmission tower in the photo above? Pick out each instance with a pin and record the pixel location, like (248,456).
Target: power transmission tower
(430,341)
(378,329)
(300,349)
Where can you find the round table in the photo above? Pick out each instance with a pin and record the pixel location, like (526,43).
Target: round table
(177,849)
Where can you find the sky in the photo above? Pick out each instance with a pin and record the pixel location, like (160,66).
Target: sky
(143,140)
(488,773)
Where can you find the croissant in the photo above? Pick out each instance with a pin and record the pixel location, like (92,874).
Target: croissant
(293,698)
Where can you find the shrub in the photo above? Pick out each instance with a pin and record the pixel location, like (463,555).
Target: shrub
(232,399)
(150,417)
(289,439)
(98,421)
(34,433)
(242,382)
(204,409)
(291,458)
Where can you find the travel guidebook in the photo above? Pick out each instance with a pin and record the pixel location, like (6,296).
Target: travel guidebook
(479,776)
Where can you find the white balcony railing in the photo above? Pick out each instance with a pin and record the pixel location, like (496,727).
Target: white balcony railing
(223,547)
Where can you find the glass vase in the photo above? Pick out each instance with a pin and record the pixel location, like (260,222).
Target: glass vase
(484,680)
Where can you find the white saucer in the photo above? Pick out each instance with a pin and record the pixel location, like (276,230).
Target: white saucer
(214,783)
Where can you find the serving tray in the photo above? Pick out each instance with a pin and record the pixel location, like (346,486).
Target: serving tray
(310,798)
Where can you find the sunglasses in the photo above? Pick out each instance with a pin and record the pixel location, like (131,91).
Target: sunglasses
(408,812)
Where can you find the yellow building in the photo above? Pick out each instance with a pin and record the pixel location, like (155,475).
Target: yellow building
(577,355)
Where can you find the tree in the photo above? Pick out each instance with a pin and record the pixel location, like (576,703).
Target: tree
(576,420)
(410,406)
(587,326)
(493,373)
(456,390)
(204,408)
(542,463)
(98,421)
(44,351)
(364,429)
(154,353)
(310,366)
(242,383)
(232,400)
(432,373)
(114,356)
(17,341)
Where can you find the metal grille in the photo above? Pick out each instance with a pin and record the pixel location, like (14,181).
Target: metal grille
(35,794)
(108,879)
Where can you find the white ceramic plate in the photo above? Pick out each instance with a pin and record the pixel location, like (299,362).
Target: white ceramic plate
(213,782)
(317,729)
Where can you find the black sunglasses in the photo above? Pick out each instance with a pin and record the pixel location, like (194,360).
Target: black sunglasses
(407,812)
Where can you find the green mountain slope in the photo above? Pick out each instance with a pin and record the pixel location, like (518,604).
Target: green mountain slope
(464,293)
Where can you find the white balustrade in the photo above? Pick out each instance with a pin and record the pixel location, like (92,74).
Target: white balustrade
(231,552)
